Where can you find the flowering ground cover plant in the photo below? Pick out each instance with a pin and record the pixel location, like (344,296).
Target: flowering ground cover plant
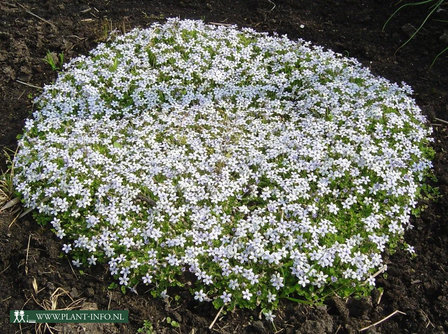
(265,167)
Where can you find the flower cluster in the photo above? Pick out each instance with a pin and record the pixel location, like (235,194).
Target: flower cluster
(265,167)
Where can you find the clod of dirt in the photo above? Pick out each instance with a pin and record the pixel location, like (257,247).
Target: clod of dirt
(408,29)
(359,307)
(9,73)
(313,326)
(257,327)
(74,293)
(444,37)
(21,51)
(90,292)
(341,307)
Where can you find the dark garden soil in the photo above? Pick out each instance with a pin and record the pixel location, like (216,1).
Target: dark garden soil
(33,273)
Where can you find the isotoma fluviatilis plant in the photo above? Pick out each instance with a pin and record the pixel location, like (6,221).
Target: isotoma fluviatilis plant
(264,167)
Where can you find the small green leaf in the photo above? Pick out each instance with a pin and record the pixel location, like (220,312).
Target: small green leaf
(151,57)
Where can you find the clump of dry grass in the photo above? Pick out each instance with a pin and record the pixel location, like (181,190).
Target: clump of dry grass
(9,201)
(56,302)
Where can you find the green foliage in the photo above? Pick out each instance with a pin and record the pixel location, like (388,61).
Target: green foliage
(113,286)
(146,328)
(172,322)
(54,60)
(41,219)
(151,57)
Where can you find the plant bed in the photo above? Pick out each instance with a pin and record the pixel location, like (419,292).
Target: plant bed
(267,168)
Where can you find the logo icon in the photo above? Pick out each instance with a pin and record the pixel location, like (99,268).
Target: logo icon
(19,316)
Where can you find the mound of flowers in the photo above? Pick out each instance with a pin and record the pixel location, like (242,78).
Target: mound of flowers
(247,166)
